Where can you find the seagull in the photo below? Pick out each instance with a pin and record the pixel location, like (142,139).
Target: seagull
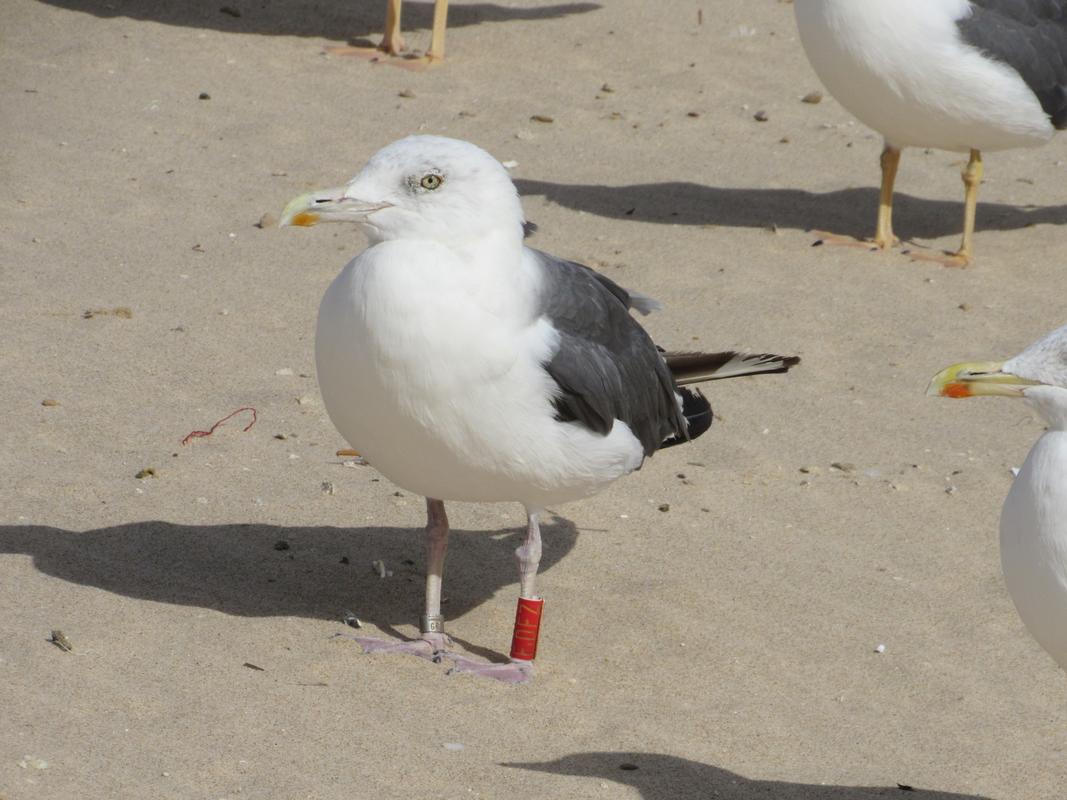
(959,75)
(466,366)
(393,43)
(1033,522)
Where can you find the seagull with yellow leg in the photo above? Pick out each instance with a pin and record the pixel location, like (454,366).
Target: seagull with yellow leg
(959,75)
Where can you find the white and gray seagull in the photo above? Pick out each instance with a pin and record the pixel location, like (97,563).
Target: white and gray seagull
(960,75)
(466,366)
(1033,522)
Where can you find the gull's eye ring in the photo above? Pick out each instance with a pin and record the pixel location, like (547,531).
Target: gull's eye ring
(431,181)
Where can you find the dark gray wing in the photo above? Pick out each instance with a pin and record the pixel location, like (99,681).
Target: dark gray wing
(1031,37)
(606,367)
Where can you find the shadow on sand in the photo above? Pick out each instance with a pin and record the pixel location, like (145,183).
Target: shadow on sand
(326,19)
(845,211)
(237,569)
(662,777)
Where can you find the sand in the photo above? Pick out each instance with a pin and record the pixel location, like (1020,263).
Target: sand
(726,647)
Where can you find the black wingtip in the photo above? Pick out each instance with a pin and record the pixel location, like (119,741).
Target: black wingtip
(698,416)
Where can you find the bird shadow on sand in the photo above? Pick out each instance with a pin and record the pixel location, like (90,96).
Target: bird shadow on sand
(663,777)
(845,211)
(325,19)
(239,569)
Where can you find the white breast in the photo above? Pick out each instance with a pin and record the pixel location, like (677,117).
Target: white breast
(441,387)
(1033,543)
(901,67)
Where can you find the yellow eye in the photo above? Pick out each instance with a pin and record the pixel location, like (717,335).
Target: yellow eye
(431,181)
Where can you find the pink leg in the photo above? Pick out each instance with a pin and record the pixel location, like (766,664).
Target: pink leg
(433,641)
(518,670)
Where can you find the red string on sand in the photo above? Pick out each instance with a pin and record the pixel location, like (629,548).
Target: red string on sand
(198,434)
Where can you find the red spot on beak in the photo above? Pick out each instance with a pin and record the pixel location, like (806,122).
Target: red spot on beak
(956,389)
(305,219)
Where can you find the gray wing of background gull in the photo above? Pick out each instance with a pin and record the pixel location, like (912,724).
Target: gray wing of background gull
(1030,36)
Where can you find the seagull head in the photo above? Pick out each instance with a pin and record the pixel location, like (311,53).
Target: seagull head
(420,187)
(1038,374)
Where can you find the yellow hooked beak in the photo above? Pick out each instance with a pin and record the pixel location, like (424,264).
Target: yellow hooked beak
(977,379)
(329,205)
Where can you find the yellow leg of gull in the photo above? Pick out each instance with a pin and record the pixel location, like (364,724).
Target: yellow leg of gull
(437,38)
(883,235)
(392,43)
(972,179)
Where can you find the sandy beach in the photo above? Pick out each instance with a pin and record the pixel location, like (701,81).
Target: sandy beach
(712,622)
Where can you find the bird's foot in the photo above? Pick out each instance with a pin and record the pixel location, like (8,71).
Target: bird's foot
(377,55)
(840,240)
(511,672)
(431,646)
(957,260)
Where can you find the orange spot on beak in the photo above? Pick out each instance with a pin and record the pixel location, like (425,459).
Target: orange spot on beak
(956,389)
(305,219)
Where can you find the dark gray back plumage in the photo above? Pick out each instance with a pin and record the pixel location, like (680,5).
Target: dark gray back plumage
(607,366)
(1031,37)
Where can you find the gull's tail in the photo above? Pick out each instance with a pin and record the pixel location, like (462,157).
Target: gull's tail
(699,367)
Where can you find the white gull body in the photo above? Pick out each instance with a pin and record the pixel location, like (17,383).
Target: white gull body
(902,68)
(465,366)
(429,362)
(1033,521)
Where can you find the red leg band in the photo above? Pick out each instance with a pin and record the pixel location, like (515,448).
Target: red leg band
(527,626)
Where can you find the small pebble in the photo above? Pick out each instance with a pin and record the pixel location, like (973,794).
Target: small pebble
(665,507)
(843,466)
(453,746)
(760,116)
(693,114)
(406,93)
(204,96)
(49,403)
(230,11)
(814,98)
(268,220)
(147,472)
(880,648)
(61,641)
(281,544)
(328,487)
(628,767)
(542,118)
(964,306)
(607,89)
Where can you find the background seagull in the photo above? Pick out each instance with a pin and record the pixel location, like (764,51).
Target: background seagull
(466,366)
(963,75)
(1033,522)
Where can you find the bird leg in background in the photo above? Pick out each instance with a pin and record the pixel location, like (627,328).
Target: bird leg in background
(437,38)
(972,179)
(433,640)
(883,235)
(392,42)
(527,617)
